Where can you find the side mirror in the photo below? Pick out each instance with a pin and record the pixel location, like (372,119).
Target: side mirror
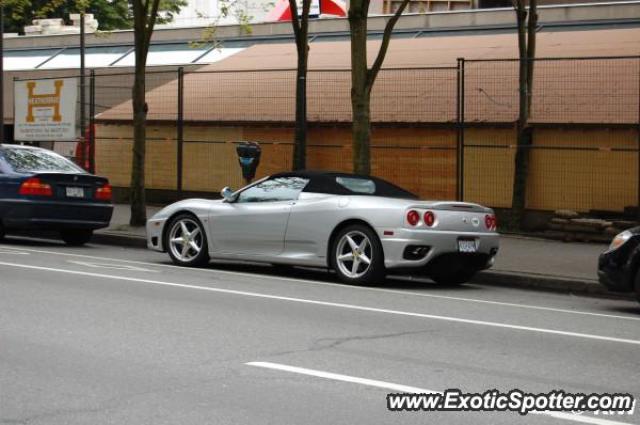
(227,194)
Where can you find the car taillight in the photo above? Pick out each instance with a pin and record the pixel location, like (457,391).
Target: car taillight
(34,187)
(429,218)
(104,193)
(490,221)
(413,217)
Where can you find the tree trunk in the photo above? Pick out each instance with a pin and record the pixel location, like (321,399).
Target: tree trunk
(531,50)
(138,200)
(360,89)
(363,78)
(300,30)
(300,138)
(523,138)
(360,102)
(144,19)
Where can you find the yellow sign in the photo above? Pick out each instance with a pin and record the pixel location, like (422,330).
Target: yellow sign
(44,100)
(45,110)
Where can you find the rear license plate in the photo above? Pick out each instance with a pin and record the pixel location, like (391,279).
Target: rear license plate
(75,192)
(467,245)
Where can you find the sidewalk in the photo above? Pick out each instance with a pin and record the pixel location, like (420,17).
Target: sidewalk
(522,261)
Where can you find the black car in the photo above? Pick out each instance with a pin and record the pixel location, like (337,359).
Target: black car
(618,267)
(41,190)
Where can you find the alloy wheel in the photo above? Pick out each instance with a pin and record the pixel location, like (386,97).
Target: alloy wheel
(354,254)
(185,239)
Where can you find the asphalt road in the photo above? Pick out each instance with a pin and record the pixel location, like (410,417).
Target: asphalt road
(104,335)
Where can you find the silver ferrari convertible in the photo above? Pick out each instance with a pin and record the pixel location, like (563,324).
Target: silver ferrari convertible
(362,227)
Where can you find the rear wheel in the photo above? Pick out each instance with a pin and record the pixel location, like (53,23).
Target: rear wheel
(186,241)
(357,255)
(76,237)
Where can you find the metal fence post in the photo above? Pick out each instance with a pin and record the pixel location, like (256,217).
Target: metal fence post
(460,133)
(180,129)
(638,134)
(2,139)
(92,122)
(458,129)
(82,79)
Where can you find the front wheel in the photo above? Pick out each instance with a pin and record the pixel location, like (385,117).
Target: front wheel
(76,237)
(357,256)
(186,241)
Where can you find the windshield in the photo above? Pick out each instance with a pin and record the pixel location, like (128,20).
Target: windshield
(23,160)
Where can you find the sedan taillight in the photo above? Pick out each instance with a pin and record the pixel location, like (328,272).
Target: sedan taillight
(35,187)
(104,193)
(490,222)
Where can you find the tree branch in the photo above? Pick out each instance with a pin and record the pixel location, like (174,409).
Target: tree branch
(306,6)
(531,39)
(386,38)
(151,21)
(295,22)
(300,27)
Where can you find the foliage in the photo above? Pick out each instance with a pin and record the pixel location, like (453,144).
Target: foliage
(111,14)
(236,9)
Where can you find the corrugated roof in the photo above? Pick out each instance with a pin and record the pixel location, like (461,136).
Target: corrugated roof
(565,91)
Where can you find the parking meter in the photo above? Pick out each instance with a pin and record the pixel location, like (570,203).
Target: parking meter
(249,158)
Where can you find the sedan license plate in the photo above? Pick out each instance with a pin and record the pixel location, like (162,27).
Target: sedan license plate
(75,192)
(467,245)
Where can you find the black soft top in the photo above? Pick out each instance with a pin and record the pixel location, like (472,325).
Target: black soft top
(325,182)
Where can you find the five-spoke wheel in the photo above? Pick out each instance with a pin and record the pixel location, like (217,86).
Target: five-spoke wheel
(357,255)
(186,241)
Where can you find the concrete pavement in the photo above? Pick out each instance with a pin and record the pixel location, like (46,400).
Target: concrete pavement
(522,261)
(106,335)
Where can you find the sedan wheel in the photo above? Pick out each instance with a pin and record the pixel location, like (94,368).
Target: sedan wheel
(358,255)
(187,242)
(77,237)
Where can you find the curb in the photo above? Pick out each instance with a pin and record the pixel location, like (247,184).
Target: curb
(530,281)
(119,239)
(548,283)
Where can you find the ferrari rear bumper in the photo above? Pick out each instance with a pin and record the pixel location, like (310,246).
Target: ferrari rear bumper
(416,248)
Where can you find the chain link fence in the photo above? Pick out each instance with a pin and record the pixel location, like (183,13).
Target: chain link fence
(441,132)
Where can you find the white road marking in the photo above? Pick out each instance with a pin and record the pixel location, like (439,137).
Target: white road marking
(344,378)
(112,266)
(408,389)
(360,288)
(13,252)
(336,305)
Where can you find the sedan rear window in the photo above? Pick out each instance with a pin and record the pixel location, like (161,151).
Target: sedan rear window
(23,160)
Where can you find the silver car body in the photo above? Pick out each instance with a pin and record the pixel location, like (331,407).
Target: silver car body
(299,232)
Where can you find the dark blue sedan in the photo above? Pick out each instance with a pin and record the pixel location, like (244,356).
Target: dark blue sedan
(41,190)
(619,266)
